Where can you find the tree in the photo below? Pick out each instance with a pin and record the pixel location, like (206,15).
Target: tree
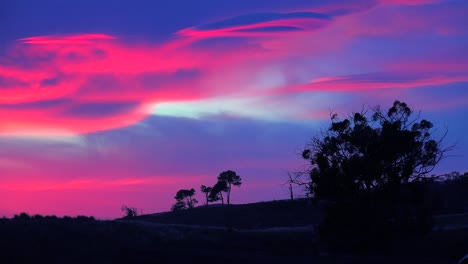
(206,191)
(362,154)
(179,205)
(184,199)
(298,179)
(290,183)
(216,193)
(373,161)
(129,212)
(231,179)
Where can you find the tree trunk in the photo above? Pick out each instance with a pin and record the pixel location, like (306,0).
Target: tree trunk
(291,191)
(190,204)
(229,195)
(222,198)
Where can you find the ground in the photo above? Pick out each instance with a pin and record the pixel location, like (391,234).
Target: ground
(255,233)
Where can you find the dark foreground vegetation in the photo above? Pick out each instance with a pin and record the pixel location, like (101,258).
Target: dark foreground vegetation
(148,239)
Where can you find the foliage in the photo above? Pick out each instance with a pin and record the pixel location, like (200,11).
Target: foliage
(206,190)
(83,218)
(184,200)
(179,205)
(360,154)
(231,179)
(375,165)
(22,216)
(129,212)
(216,193)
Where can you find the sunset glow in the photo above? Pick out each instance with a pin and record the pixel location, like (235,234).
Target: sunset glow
(102,107)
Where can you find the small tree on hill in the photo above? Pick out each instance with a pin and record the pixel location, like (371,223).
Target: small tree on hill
(184,199)
(231,179)
(179,205)
(216,193)
(129,212)
(206,191)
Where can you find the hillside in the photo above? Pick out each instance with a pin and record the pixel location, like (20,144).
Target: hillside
(283,213)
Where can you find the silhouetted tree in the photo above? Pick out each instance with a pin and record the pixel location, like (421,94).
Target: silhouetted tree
(216,193)
(371,163)
(206,191)
(129,212)
(290,183)
(184,199)
(22,216)
(179,205)
(299,179)
(232,179)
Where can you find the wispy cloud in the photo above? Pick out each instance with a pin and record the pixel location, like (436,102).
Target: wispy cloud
(92,82)
(110,115)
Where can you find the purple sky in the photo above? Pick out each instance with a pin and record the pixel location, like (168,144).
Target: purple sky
(106,103)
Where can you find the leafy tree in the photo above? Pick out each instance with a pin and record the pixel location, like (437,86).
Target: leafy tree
(216,193)
(179,205)
(206,191)
(129,212)
(360,154)
(231,179)
(373,163)
(184,199)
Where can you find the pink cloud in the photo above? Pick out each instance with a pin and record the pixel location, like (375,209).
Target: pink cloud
(256,30)
(409,2)
(61,40)
(97,184)
(100,68)
(360,83)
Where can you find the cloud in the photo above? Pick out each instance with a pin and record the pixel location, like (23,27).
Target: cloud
(66,40)
(410,2)
(251,19)
(438,18)
(237,65)
(383,80)
(260,24)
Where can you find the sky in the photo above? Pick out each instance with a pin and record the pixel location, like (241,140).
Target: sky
(110,103)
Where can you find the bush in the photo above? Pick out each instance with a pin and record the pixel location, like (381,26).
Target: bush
(22,216)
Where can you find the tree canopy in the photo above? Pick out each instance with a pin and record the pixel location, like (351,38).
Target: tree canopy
(129,212)
(365,152)
(184,199)
(206,190)
(216,193)
(231,179)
